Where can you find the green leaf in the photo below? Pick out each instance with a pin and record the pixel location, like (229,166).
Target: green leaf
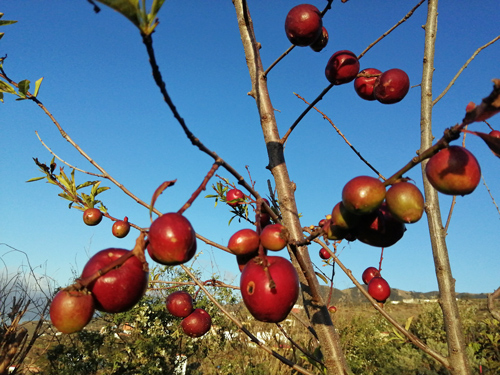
(23,87)
(35,179)
(85,184)
(4,87)
(1,97)
(5,23)
(37,86)
(155,8)
(129,8)
(1,35)
(100,190)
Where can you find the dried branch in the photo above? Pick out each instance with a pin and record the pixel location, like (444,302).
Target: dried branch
(452,82)
(345,139)
(408,15)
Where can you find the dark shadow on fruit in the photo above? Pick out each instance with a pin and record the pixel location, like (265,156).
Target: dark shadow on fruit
(380,229)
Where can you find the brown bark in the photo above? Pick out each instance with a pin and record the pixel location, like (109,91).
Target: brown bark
(454,333)
(334,358)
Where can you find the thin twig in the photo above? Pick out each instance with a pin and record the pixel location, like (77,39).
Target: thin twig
(408,15)
(345,139)
(69,165)
(452,82)
(491,196)
(320,96)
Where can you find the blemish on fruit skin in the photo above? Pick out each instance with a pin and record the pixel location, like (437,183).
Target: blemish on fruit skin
(250,288)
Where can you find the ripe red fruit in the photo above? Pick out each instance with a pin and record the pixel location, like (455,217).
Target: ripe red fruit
(303,25)
(332,309)
(342,67)
(121,228)
(379,289)
(405,202)
(92,216)
(342,218)
(71,310)
(321,42)
(244,241)
(364,85)
(234,197)
(119,289)
(266,301)
(274,237)
(180,304)
(197,323)
(453,171)
(324,254)
(363,195)
(369,274)
(380,229)
(391,86)
(172,239)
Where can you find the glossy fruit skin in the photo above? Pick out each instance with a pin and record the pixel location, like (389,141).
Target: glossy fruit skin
(197,323)
(244,241)
(121,228)
(453,171)
(233,194)
(322,41)
(364,85)
(405,202)
(172,239)
(71,310)
(274,237)
(380,229)
(324,254)
(119,289)
(342,218)
(379,289)
(92,216)
(179,304)
(268,304)
(369,274)
(363,195)
(342,67)
(303,25)
(391,86)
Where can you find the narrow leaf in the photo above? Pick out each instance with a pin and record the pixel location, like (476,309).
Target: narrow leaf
(157,193)
(37,86)
(1,35)
(5,23)
(35,179)
(85,184)
(492,142)
(1,97)
(155,8)
(100,190)
(322,277)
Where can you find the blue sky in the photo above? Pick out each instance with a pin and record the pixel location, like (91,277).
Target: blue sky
(98,85)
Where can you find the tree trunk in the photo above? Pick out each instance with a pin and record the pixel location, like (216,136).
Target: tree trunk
(333,356)
(453,326)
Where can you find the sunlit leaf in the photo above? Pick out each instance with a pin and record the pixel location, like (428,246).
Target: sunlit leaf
(5,23)
(85,184)
(1,35)
(129,8)
(155,7)
(4,87)
(23,87)
(100,190)
(35,179)
(1,97)
(37,86)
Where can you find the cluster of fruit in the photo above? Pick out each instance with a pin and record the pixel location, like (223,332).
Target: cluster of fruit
(269,285)
(115,291)
(195,322)
(304,27)
(378,287)
(93,216)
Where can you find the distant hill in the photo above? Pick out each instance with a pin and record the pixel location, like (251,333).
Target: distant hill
(353,295)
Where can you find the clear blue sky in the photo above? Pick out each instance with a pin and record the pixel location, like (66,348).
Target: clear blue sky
(98,85)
